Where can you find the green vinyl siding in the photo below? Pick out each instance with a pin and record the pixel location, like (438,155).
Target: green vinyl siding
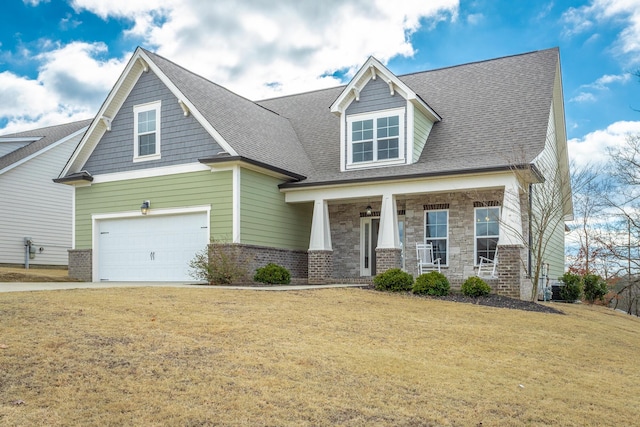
(265,218)
(170,191)
(421,129)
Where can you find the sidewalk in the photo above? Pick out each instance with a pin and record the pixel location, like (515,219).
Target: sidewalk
(51,286)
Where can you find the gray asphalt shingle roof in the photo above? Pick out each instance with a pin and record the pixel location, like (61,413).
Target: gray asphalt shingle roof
(46,136)
(494,114)
(252,130)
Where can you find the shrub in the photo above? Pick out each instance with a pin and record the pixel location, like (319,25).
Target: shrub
(432,283)
(219,264)
(475,287)
(273,274)
(595,288)
(393,280)
(572,289)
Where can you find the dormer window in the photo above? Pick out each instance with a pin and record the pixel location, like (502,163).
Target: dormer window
(376,138)
(146,124)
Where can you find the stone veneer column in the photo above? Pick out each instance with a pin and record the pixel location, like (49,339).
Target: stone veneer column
(320,266)
(80,264)
(509,271)
(388,258)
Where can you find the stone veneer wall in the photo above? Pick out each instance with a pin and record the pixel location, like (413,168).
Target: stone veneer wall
(345,234)
(80,264)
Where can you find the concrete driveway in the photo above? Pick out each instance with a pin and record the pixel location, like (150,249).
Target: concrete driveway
(52,286)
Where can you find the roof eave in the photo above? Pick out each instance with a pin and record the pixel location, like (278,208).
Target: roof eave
(82,177)
(225,160)
(532,168)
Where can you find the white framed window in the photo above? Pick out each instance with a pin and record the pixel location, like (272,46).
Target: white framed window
(436,232)
(375,138)
(146,131)
(487,231)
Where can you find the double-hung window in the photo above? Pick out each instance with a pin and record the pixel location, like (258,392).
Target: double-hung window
(487,227)
(376,137)
(436,232)
(146,123)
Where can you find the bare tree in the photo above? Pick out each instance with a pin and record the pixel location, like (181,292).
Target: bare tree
(589,203)
(548,193)
(622,235)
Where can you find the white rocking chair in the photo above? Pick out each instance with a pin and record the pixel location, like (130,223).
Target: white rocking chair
(424,252)
(488,267)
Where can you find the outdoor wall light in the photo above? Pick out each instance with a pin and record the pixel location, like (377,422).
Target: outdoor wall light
(369,210)
(144,207)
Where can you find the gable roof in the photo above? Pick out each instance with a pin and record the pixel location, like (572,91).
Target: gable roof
(244,129)
(494,116)
(41,139)
(372,70)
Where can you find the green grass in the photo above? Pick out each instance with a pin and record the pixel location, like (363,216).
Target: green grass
(352,357)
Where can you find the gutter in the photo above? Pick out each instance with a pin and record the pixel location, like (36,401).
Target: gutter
(531,167)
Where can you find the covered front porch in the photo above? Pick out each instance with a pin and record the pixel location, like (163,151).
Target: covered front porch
(356,236)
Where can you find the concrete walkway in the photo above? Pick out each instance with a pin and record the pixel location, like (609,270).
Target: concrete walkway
(51,286)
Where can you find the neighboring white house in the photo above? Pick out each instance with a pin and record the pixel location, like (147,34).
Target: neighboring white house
(31,204)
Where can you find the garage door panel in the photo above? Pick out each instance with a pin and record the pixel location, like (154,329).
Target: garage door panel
(152,248)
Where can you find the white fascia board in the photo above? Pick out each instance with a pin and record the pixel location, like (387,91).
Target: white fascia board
(149,173)
(90,139)
(404,187)
(20,138)
(43,150)
(193,110)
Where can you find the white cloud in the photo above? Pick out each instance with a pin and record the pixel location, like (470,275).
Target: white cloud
(34,2)
(475,18)
(262,49)
(267,49)
(584,18)
(608,79)
(600,84)
(583,97)
(592,148)
(72,83)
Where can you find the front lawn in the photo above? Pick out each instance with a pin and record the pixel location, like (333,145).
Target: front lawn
(352,357)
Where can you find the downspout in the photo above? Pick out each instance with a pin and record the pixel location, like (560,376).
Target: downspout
(530,214)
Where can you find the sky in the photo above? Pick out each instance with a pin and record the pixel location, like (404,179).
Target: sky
(60,58)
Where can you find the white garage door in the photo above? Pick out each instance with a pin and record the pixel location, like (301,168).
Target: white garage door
(150,248)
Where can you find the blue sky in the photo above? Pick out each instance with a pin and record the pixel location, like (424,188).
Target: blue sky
(59,59)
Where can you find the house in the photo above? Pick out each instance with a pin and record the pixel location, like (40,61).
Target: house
(336,184)
(31,206)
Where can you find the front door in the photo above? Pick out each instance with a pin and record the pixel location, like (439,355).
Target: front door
(369,228)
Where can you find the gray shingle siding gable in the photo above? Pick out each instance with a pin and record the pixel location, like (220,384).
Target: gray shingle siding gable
(183,139)
(375,96)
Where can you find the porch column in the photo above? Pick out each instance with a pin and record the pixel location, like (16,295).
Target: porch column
(511,248)
(388,252)
(320,250)
(511,216)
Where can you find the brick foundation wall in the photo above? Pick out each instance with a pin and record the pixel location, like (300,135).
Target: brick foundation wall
(320,267)
(259,256)
(387,259)
(80,264)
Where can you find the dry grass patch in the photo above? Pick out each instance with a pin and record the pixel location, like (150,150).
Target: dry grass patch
(162,356)
(10,274)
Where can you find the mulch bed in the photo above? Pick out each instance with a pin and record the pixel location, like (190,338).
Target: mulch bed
(493,300)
